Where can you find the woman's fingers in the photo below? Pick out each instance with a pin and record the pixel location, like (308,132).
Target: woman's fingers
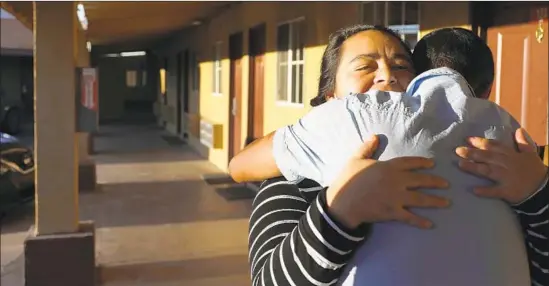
(492,172)
(368,148)
(482,156)
(411,163)
(418,180)
(414,199)
(412,219)
(488,144)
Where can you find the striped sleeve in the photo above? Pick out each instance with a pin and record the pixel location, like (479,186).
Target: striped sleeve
(534,218)
(294,240)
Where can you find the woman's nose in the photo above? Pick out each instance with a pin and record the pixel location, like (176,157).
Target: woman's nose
(384,76)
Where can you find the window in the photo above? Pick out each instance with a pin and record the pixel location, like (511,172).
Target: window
(402,17)
(290,39)
(217,69)
(373,13)
(131,78)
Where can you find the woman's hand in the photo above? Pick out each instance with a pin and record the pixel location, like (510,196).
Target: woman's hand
(518,174)
(371,191)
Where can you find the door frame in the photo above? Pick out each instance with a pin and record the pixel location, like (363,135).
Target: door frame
(236,51)
(257,47)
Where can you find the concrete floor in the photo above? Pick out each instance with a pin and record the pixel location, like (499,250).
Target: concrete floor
(158,223)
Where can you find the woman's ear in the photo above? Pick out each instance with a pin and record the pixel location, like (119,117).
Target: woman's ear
(330,95)
(486,93)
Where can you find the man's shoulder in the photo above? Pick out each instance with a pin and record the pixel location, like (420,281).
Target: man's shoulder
(489,112)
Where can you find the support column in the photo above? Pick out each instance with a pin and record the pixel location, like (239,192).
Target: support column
(59,250)
(86,166)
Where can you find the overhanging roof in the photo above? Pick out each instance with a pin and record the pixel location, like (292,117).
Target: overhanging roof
(14,35)
(116,22)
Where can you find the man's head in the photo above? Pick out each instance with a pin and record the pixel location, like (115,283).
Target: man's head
(461,50)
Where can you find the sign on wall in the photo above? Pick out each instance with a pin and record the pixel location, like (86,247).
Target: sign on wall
(87,99)
(89,88)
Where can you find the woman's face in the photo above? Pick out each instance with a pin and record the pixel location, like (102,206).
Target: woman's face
(373,60)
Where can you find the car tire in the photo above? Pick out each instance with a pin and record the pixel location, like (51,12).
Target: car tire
(12,122)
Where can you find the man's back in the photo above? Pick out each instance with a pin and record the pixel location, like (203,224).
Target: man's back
(476,242)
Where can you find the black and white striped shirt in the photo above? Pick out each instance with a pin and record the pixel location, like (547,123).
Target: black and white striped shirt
(293,240)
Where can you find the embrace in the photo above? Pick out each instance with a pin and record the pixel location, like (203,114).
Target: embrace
(404,173)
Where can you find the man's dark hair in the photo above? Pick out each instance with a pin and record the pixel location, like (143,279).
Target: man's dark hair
(459,49)
(332,54)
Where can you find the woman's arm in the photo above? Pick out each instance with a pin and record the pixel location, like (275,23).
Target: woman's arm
(534,219)
(297,241)
(256,162)
(283,247)
(297,151)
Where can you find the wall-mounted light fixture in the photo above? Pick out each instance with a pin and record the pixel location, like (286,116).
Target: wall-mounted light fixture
(126,54)
(81,14)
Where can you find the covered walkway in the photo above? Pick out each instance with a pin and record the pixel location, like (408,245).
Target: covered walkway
(157,221)
(149,218)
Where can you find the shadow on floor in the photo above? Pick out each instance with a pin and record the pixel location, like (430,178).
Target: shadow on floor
(18,219)
(140,144)
(186,270)
(157,155)
(150,203)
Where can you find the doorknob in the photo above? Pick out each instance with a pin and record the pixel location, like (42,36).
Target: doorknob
(540,32)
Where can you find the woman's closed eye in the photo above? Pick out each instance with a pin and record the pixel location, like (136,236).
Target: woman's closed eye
(368,67)
(401,67)
(364,68)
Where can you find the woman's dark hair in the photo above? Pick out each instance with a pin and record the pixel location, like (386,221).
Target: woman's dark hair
(331,57)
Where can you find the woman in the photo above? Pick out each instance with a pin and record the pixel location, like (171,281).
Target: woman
(297,234)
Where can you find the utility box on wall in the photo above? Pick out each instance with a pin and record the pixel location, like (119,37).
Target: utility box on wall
(87,100)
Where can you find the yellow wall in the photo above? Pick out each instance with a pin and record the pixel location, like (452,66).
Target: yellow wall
(241,18)
(320,22)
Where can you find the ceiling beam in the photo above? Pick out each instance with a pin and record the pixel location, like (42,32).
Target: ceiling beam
(125,37)
(142,10)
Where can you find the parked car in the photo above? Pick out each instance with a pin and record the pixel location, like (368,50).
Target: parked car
(16,173)
(10,114)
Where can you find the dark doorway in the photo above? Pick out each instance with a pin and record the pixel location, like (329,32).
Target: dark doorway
(257,48)
(235,102)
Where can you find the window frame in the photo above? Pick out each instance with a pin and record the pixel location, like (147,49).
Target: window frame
(217,69)
(401,29)
(290,63)
(144,77)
